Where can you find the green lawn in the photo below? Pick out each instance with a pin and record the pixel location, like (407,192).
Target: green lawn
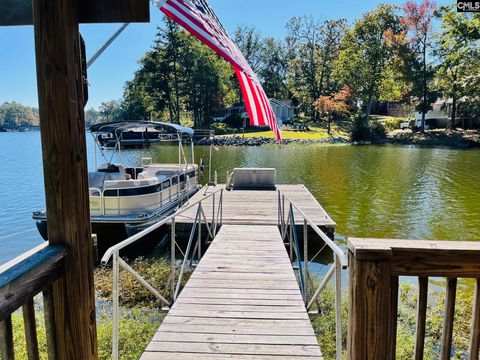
(315,133)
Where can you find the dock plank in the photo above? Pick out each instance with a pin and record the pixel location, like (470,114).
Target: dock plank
(238,209)
(241,302)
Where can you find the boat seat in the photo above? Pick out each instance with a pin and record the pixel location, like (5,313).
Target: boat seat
(119,184)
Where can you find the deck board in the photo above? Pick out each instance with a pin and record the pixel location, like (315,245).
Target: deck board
(238,209)
(241,302)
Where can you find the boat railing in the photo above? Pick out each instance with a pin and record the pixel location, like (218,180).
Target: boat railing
(376,270)
(165,195)
(288,213)
(21,279)
(194,249)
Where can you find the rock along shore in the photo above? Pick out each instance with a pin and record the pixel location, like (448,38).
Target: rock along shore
(236,140)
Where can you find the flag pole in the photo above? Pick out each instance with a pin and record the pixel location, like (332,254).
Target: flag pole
(210,165)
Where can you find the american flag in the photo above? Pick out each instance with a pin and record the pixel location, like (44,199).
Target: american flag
(198,18)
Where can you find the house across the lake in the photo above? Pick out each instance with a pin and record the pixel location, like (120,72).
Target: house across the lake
(440,116)
(283,109)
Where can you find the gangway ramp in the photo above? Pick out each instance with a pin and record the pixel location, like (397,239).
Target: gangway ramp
(241,302)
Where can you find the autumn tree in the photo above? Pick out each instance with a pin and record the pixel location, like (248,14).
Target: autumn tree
(417,19)
(336,105)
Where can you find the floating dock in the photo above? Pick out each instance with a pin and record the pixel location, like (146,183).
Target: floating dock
(259,207)
(241,302)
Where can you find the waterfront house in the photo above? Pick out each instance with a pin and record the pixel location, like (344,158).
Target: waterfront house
(283,109)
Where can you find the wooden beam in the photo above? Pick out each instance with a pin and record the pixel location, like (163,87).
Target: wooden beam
(62,126)
(371,313)
(19,12)
(25,279)
(114,11)
(421,257)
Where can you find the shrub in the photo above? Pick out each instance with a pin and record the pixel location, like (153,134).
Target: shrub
(360,130)
(363,131)
(324,323)
(235,121)
(132,293)
(377,131)
(220,128)
(393,123)
(136,329)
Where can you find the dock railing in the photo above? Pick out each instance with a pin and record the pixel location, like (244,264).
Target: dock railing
(287,211)
(194,248)
(21,279)
(375,268)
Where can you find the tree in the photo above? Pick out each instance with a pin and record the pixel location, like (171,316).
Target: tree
(179,77)
(92,116)
(313,47)
(457,50)
(111,111)
(335,105)
(273,71)
(14,115)
(204,81)
(365,53)
(250,42)
(417,19)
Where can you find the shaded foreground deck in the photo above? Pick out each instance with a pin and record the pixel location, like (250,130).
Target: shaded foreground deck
(242,301)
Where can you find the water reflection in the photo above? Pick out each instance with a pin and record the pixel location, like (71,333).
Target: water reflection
(388,192)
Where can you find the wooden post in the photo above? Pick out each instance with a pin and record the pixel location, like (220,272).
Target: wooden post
(62,125)
(369,313)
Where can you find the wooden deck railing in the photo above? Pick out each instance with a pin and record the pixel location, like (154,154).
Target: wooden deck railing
(20,280)
(375,267)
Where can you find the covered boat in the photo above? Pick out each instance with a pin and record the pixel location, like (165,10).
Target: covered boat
(126,200)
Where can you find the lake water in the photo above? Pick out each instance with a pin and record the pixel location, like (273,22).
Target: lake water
(370,191)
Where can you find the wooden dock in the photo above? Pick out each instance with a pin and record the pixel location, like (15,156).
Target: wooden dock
(241,302)
(260,207)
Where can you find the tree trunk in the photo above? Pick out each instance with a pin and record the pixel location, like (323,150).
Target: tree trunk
(329,125)
(176,109)
(454,112)
(424,109)
(369,108)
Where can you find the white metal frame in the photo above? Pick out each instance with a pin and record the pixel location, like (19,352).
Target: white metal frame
(114,252)
(288,231)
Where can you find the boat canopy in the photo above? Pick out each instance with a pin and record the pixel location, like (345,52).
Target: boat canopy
(116,127)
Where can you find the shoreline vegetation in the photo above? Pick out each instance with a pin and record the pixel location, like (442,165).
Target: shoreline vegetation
(141,316)
(380,131)
(340,134)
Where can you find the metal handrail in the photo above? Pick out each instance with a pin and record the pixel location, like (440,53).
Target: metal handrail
(288,228)
(118,262)
(121,245)
(331,244)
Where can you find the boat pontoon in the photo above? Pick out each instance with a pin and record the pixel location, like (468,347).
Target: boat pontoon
(126,200)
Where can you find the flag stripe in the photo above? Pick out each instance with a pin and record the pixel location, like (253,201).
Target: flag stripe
(200,20)
(247,95)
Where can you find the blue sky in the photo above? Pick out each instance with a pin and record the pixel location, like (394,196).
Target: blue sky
(117,65)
